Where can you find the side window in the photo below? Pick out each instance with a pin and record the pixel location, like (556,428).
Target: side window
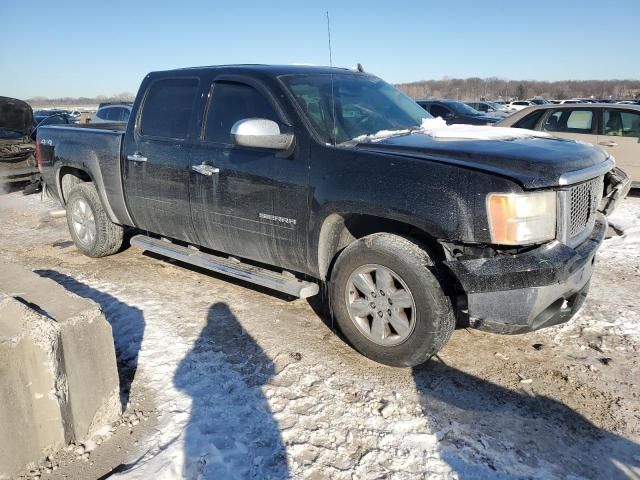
(168,106)
(439,111)
(482,107)
(103,113)
(530,121)
(114,114)
(231,102)
(121,114)
(569,121)
(620,123)
(580,121)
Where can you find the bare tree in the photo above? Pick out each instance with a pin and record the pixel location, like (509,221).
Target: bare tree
(497,88)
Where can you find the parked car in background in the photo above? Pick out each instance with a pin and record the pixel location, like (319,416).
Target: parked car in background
(453,111)
(538,101)
(111,113)
(109,104)
(570,101)
(17,147)
(517,105)
(489,108)
(615,127)
(40,115)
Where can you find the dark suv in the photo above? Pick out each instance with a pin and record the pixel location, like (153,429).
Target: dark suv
(453,112)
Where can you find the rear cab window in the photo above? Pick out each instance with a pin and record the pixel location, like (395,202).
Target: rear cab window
(168,108)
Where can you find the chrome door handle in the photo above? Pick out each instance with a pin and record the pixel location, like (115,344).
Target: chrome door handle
(204,169)
(136,157)
(609,144)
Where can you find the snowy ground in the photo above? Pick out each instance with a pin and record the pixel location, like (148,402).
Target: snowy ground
(239,383)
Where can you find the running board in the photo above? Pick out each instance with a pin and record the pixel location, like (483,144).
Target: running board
(281,282)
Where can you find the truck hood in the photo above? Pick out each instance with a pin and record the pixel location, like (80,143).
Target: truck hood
(534,162)
(15,115)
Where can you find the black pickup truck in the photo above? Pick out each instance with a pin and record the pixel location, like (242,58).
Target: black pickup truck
(297,178)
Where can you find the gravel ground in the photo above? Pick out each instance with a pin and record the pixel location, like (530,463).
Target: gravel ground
(224,380)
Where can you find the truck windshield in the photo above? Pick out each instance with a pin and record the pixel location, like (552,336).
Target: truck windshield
(363,105)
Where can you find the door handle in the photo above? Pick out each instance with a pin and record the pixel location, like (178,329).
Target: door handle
(609,144)
(204,169)
(136,157)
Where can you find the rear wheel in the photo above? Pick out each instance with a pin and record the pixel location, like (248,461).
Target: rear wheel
(90,228)
(388,302)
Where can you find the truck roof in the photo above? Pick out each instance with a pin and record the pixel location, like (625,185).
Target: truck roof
(272,70)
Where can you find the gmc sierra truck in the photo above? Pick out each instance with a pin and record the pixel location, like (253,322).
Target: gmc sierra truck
(316,180)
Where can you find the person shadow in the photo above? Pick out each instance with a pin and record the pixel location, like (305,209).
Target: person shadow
(231,432)
(127,326)
(494,432)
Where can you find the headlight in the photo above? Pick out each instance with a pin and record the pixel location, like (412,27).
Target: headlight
(521,218)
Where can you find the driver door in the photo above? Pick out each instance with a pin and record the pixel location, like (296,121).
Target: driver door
(248,202)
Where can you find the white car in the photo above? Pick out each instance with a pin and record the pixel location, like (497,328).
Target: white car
(518,105)
(569,101)
(111,114)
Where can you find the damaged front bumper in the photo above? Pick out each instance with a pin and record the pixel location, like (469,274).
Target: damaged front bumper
(524,292)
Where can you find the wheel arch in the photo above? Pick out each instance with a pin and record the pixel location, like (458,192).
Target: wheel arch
(338,230)
(69,174)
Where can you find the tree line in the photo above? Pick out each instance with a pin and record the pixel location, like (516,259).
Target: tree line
(71,101)
(475,88)
(472,88)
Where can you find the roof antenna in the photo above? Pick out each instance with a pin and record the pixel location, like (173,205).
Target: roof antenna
(333,100)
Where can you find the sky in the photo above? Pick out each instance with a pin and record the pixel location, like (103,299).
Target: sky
(88,48)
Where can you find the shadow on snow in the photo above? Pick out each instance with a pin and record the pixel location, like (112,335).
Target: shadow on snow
(231,431)
(483,421)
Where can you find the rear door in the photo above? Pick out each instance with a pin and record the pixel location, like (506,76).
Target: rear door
(156,158)
(577,123)
(620,135)
(255,203)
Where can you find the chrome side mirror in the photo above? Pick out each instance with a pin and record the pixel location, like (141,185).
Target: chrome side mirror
(261,133)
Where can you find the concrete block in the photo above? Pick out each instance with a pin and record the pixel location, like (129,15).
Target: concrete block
(58,372)
(30,415)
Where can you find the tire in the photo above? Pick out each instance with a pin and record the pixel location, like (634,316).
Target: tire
(429,318)
(83,204)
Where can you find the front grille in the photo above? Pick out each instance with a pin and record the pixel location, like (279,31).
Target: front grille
(583,204)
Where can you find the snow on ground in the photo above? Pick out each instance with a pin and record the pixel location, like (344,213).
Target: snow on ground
(250,385)
(613,307)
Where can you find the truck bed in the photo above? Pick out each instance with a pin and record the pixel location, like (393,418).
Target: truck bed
(93,148)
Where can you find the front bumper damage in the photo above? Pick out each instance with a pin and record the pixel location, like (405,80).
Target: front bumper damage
(524,292)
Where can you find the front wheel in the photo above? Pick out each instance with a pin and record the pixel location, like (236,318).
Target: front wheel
(387,301)
(90,228)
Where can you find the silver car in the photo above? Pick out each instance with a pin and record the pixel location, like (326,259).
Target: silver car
(111,113)
(612,126)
